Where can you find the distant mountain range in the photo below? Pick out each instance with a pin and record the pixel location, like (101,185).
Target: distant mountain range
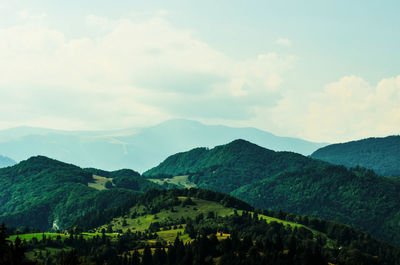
(293,183)
(379,154)
(6,161)
(140,148)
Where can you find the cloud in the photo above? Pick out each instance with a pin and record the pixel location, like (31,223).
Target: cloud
(131,73)
(26,15)
(284,42)
(350,108)
(139,73)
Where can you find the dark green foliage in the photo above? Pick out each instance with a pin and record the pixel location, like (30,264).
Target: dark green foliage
(358,198)
(294,183)
(11,252)
(251,240)
(187,202)
(108,185)
(379,154)
(239,162)
(40,192)
(154,201)
(113,174)
(126,179)
(165,199)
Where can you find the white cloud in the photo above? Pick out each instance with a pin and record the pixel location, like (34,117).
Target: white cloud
(132,73)
(26,15)
(140,73)
(348,109)
(284,42)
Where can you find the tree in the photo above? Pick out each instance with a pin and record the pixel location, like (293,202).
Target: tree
(108,185)
(147,258)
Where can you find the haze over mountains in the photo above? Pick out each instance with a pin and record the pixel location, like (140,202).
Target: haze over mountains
(6,161)
(140,148)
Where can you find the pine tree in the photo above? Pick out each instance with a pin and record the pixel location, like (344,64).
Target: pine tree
(147,258)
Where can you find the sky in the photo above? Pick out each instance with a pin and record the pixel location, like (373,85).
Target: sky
(326,71)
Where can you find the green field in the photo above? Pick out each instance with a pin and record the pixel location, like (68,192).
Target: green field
(180,181)
(99,182)
(142,223)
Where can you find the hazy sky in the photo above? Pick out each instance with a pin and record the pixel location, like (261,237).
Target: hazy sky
(320,70)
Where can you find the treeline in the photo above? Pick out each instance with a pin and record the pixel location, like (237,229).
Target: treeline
(158,199)
(357,197)
(11,253)
(154,201)
(345,240)
(249,224)
(248,240)
(344,235)
(126,179)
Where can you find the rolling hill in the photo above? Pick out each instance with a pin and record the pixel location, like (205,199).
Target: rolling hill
(194,226)
(137,148)
(45,193)
(379,154)
(293,183)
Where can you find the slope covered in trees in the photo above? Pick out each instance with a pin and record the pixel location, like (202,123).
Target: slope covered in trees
(379,154)
(44,193)
(294,183)
(204,227)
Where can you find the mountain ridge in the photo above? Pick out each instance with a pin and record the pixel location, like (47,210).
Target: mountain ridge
(381,154)
(136,148)
(293,183)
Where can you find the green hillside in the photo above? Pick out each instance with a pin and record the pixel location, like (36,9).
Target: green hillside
(193,226)
(293,183)
(44,193)
(239,163)
(379,154)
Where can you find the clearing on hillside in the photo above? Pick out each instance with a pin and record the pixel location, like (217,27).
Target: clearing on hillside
(99,182)
(180,181)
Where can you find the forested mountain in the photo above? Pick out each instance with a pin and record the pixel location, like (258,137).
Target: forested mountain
(44,193)
(200,227)
(6,161)
(379,154)
(137,148)
(293,183)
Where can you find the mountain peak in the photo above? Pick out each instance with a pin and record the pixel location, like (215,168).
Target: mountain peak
(43,159)
(40,163)
(243,143)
